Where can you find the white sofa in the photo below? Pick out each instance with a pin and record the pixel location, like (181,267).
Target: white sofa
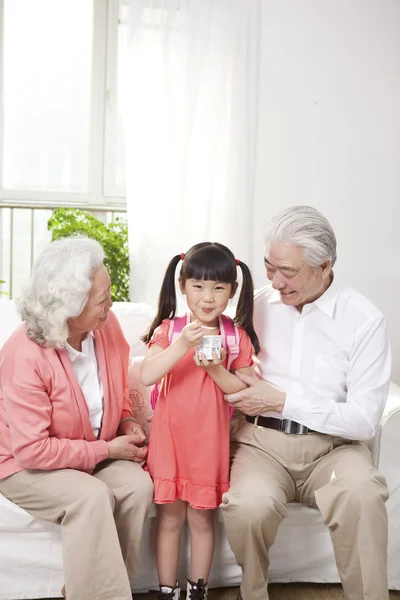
(30,549)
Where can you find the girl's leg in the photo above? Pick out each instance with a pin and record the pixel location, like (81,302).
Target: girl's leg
(170,520)
(202,539)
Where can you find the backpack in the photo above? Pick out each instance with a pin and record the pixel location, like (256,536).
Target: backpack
(230,342)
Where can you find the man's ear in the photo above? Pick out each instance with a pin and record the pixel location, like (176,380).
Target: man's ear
(233,290)
(326,269)
(181,285)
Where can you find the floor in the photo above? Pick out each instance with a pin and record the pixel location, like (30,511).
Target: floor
(281,591)
(296,591)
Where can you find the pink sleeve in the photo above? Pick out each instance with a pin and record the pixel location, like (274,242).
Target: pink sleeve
(28,410)
(245,358)
(123,348)
(160,336)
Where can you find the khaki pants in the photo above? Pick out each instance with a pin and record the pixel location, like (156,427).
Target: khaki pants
(270,469)
(101,518)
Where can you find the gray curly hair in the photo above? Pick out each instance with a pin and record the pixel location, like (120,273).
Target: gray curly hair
(59,288)
(306,227)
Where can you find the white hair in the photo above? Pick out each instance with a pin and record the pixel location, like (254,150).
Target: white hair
(306,227)
(59,288)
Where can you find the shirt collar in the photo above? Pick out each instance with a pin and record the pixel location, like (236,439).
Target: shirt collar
(326,303)
(73,353)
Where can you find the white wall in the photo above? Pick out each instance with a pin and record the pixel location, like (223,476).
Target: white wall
(329,135)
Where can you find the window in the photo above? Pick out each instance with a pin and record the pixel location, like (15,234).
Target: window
(61,136)
(46,94)
(60,133)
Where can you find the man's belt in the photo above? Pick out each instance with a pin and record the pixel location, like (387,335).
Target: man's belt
(284,425)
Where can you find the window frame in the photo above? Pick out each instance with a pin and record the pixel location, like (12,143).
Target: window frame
(103,119)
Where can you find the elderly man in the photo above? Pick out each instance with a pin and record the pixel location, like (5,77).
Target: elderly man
(325,368)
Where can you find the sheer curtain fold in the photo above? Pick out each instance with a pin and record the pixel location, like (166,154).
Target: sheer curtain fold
(189,107)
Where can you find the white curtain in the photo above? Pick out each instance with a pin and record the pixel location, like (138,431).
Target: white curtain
(189,106)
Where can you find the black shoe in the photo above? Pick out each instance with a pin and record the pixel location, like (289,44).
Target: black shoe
(172,595)
(196,591)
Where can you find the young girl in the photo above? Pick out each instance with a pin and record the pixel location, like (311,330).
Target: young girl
(188,456)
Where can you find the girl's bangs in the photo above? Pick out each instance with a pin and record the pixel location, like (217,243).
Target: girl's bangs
(211,268)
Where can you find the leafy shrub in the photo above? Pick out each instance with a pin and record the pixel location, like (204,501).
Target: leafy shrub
(113,237)
(3,293)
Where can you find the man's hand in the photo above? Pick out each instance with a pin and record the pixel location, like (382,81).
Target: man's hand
(258,398)
(127,447)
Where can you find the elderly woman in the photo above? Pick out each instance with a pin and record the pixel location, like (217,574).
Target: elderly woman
(69,447)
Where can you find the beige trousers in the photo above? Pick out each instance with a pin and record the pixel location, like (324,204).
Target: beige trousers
(101,518)
(270,469)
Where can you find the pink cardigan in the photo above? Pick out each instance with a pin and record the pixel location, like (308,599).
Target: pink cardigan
(44,419)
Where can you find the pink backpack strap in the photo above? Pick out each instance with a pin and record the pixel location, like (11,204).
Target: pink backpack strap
(230,342)
(154,395)
(230,338)
(175,328)
(176,325)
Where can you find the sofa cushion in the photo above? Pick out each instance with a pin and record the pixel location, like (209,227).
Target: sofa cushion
(135,319)
(9,319)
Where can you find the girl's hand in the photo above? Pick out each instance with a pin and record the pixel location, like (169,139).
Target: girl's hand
(191,335)
(202,361)
(131,428)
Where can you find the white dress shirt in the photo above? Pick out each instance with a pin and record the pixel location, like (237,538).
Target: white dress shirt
(85,366)
(332,360)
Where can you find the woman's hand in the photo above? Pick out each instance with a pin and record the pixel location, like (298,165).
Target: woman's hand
(202,361)
(191,335)
(128,447)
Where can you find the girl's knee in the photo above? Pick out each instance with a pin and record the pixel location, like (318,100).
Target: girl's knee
(200,520)
(171,517)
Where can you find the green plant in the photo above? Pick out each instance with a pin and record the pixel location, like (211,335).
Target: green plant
(3,293)
(113,237)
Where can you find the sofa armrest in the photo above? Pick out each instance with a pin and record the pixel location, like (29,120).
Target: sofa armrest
(389,443)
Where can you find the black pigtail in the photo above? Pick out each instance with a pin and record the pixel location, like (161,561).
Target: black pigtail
(166,299)
(244,310)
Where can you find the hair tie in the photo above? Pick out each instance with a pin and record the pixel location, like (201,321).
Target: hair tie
(182,255)
(238,261)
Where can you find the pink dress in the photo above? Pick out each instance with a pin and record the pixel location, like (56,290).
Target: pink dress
(188,455)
